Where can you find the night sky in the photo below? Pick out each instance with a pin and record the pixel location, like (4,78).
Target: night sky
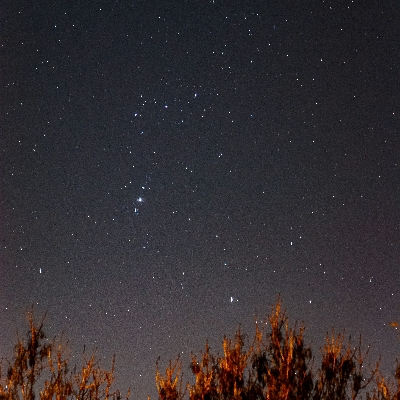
(168,168)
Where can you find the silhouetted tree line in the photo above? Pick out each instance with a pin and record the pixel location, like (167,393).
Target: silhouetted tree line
(277,365)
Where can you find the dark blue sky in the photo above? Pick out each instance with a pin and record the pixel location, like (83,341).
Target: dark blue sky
(159,161)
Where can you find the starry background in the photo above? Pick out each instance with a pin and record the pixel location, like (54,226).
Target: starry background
(169,168)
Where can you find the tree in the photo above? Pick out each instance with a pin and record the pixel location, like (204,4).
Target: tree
(205,371)
(169,386)
(40,361)
(341,374)
(285,360)
(29,361)
(279,365)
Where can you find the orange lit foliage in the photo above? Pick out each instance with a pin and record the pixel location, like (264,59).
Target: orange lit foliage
(170,386)
(39,362)
(279,366)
